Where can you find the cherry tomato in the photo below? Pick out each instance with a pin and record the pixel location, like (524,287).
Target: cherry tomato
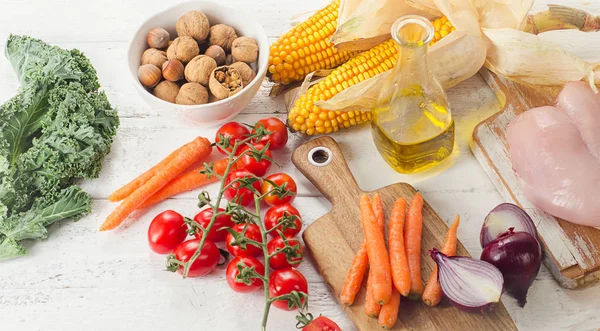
(276,215)
(279,180)
(232,272)
(279,134)
(279,260)
(167,230)
(284,281)
(232,130)
(215,235)
(322,323)
(252,232)
(206,261)
(248,162)
(245,196)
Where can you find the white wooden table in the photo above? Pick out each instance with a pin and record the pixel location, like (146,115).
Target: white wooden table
(80,279)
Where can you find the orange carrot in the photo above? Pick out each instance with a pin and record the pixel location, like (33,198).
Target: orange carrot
(433,292)
(412,240)
(372,309)
(377,252)
(187,181)
(389,312)
(133,185)
(190,154)
(398,260)
(360,262)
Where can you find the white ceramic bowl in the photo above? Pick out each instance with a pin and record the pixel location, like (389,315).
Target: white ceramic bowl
(213,113)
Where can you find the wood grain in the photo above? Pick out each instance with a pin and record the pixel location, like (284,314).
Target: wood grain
(334,238)
(572,251)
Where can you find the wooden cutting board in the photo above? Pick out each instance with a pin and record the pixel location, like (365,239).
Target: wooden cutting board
(334,238)
(572,252)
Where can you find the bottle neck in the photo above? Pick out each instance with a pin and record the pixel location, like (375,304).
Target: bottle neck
(412,65)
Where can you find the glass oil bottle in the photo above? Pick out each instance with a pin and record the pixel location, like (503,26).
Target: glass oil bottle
(412,123)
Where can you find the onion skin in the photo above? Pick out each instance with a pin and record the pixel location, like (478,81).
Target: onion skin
(518,256)
(503,217)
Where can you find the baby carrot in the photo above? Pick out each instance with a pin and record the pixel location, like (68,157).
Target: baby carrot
(189,155)
(412,240)
(377,252)
(398,260)
(389,312)
(433,292)
(187,181)
(360,262)
(133,185)
(372,308)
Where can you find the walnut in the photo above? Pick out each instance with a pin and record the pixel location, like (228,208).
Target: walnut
(244,49)
(245,71)
(154,56)
(211,97)
(192,94)
(225,82)
(217,53)
(158,38)
(166,90)
(183,49)
(199,69)
(222,35)
(194,24)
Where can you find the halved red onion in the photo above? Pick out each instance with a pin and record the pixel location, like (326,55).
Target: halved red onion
(470,285)
(502,218)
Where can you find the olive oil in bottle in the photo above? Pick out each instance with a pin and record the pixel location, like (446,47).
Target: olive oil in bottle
(412,124)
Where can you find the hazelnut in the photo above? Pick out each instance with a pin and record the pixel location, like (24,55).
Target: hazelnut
(166,90)
(149,75)
(199,69)
(244,49)
(192,94)
(194,24)
(172,70)
(225,82)
(245,71)
(222,35)
(158,38)
(154,56)
(183,49)
(217,53)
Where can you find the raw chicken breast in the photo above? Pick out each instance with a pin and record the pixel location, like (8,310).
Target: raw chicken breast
(558,171)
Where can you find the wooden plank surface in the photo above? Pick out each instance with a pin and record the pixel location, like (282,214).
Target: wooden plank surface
(334,238)
(572,251)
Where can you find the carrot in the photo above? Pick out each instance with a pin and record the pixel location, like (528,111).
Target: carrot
(433,292)
(398,260)
(412,240)
(133,185)
(377,252)
(372,308)
(189,155)
(360,262)
(389,312)
(187,181)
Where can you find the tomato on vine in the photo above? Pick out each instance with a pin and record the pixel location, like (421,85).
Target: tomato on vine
(233,132)
(167,230)
(252,233)
(233,271)
(286,183)
(216,234)
(279,134)
(321,323)
(204,264)
(284,281)
(245,196)
(285,217)
(258,165)
(281,260)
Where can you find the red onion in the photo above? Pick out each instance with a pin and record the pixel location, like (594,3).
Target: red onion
(470,285)
(502,218)
(518,256)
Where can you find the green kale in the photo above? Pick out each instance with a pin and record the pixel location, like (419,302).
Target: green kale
(57,129)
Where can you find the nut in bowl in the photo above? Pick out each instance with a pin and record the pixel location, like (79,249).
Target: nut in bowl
(199,61)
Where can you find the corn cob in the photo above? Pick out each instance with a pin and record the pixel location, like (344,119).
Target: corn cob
(306,48)
(309,119)
(442,28)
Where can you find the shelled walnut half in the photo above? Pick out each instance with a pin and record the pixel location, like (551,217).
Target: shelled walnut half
(225,82)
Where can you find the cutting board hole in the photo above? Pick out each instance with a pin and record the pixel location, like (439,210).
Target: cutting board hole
(320,156)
